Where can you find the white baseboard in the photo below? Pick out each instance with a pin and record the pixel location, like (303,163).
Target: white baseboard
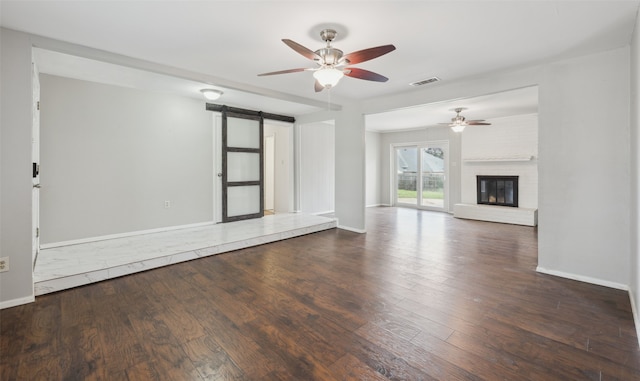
(122,235)
(361,231)
(635,313)
(325,212)
(373,205)
(582,278)
(17,302)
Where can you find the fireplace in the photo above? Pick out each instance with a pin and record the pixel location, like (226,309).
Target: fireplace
(498,190)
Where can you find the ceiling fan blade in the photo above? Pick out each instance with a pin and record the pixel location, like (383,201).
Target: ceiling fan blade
(310,54)
(283,72)
(476,123)
(318,87)
(367,54)
(364,74)
(475,120)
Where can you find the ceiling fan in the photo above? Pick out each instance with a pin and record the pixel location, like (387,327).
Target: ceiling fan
(459,122)
(333,63)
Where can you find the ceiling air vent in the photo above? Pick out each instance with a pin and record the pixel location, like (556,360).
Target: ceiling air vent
(425,81)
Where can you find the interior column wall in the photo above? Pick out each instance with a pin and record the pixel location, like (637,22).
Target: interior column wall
(374,167)
(350,169)
(16,285)
(584,169)
(635,174)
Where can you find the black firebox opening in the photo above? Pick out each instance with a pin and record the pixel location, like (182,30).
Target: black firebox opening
(498,190)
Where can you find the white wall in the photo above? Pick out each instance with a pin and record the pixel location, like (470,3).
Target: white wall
(505,137)
(111,156)
(317,167)
(374,166)
(635,175)
(417,136)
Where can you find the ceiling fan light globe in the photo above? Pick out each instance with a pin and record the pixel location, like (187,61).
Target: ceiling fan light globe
(458,128)
(328,77)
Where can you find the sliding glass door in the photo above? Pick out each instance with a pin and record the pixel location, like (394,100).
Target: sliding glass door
(421,175)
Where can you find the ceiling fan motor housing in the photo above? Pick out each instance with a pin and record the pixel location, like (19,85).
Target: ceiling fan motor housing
(458,119)
(329,56)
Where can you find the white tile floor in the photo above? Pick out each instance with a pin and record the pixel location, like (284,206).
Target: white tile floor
(61,268)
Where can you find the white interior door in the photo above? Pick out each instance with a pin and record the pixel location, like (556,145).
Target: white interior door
(35,159)
(269,172)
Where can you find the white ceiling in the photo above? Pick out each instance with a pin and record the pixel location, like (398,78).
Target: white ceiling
(232,41)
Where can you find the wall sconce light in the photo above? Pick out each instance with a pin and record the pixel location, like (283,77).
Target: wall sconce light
(211,94)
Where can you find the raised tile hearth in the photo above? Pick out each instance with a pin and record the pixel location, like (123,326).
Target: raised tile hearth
(491,213)
(65,267)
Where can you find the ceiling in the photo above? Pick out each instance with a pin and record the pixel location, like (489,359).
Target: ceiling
(230,42)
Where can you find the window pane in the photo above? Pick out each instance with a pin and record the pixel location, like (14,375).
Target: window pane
(243,166)
(407,167)
(433,177)
(243,200)
(243,133)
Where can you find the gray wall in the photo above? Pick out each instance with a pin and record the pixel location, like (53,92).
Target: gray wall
(584,109)
(111,156)
(16,285)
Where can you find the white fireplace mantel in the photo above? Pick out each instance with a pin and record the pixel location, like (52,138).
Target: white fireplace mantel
(498,159)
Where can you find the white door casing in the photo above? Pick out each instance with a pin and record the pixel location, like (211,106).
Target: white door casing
(35,159)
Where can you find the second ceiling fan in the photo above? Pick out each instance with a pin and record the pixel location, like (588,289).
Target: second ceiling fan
(333,63)
(459,122)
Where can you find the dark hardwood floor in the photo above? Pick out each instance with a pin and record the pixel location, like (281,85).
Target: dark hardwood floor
(421,296)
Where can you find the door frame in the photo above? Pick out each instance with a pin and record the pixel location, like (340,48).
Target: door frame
(35,160)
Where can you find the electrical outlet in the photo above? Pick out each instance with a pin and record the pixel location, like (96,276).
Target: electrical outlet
(4,264)
(167,204)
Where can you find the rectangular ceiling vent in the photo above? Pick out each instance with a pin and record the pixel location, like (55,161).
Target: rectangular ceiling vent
(425,81)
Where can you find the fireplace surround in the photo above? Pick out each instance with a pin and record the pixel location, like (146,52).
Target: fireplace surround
(497,190)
